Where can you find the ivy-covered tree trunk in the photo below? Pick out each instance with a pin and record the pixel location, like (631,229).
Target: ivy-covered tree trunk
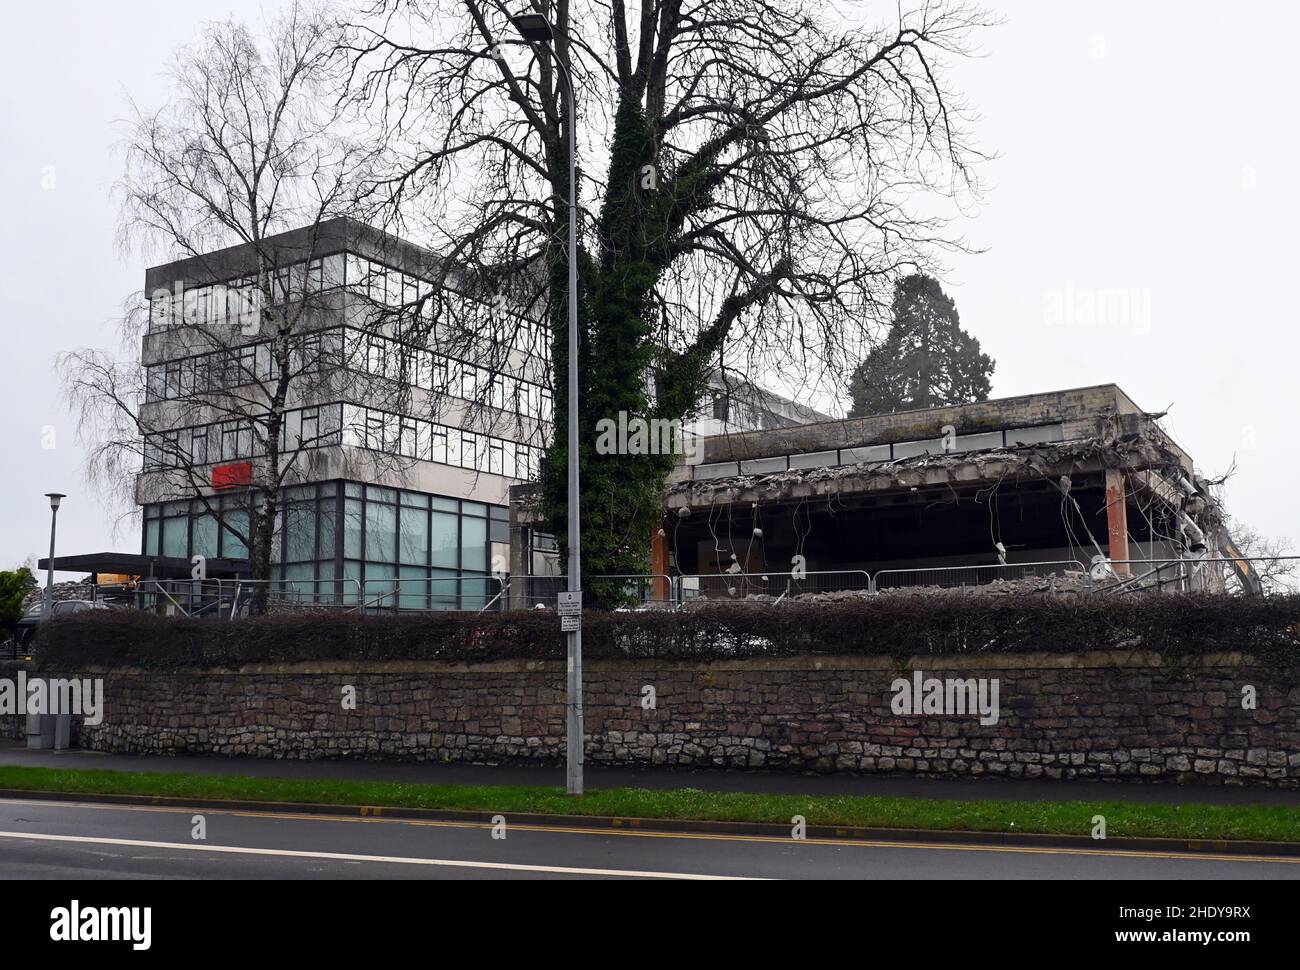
(621,501)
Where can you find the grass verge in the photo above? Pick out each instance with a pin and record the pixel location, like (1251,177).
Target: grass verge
(1241,822)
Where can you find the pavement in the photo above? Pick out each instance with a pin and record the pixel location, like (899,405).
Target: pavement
(88,840)
(889,786)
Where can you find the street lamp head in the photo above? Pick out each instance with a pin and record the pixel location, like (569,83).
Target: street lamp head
(55,498)
(533,27)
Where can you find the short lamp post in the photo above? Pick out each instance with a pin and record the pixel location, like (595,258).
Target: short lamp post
(48,609)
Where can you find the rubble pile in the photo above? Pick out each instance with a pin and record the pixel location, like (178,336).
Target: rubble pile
(1072,583)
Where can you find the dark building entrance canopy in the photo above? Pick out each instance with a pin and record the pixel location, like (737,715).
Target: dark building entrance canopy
(135,564)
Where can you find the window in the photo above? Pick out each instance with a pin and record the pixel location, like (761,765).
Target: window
(414,536)
(332,270)
(438,444)
(374,434)
(721,406)
(176,537)
(247,364)
(234,529)
(469,446)
(376,355)
(171,447)
(391,432)
(172,385)
(355,270)
(331,424)
(469,382)
(445,530)
(187,377)
(300,531)
(204,535)
(407,438)
(310,426)
(473,543)
(441,376)
(229,441)
(160,310)
(327,529)
(454,446)
(281,287)
(198,447)
(381,532)
(352,524)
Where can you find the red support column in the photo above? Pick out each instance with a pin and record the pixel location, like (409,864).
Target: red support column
(659,563)
(1117,518)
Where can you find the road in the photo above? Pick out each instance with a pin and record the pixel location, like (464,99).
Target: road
(88,840)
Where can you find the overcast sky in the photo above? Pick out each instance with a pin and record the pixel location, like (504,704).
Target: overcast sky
(1139,226)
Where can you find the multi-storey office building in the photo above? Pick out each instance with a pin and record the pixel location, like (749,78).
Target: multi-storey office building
(406,417)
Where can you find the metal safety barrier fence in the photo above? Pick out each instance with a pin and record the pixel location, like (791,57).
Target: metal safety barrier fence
(1254,575)
(776,585)
(229,598)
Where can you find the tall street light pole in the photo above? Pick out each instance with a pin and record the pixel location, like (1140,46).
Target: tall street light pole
(48,609)
(536,29)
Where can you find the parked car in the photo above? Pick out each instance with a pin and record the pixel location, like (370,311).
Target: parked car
(26,629)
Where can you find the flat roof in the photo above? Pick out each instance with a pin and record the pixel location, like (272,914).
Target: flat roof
(138,564)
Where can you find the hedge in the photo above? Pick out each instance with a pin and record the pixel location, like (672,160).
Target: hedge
(899,626)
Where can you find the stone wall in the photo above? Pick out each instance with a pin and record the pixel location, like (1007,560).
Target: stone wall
(1060,716)
(11,728)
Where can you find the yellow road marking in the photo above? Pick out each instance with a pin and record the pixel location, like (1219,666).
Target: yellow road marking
(705,836)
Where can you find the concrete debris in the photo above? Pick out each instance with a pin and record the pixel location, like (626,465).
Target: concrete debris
(1070,584)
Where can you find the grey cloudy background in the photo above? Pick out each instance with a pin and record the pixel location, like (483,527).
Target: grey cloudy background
(1139,226)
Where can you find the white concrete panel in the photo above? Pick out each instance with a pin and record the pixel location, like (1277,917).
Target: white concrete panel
(851,456)
(1042,434)
(763,466)
(815,459)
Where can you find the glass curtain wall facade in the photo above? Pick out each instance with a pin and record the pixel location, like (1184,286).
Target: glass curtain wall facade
(393,548)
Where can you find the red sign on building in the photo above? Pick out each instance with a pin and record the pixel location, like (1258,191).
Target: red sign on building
(233,475)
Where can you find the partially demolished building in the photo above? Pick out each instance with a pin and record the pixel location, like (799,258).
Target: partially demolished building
(1080,475)
(1078,483)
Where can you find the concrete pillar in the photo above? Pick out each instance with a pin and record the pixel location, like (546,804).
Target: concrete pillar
(1117,519)
(517,595)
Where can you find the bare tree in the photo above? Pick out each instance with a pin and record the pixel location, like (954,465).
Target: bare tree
(754,175)
(1272,558)
(247,149)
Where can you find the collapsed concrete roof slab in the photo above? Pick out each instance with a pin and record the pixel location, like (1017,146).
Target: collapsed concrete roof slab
(1078,414)
(1004,465)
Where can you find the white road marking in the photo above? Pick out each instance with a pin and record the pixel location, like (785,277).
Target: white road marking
(1198,855)
(351,857)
